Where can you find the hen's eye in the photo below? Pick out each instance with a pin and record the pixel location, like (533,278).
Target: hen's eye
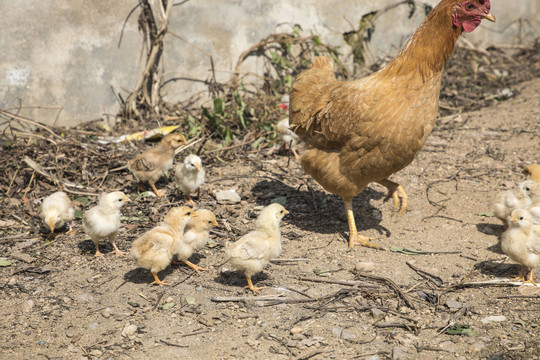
(469,6)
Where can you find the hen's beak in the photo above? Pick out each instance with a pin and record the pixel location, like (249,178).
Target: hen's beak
(489,16)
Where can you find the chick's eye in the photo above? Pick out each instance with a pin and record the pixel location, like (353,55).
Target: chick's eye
(521,218)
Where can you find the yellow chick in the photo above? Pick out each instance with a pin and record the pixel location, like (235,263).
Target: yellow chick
(507,201)
(103,220)
(532,172)
(253,251)
(189,176)
(195,237)
(153,250)
(150,165)
(56,210)
(521,242)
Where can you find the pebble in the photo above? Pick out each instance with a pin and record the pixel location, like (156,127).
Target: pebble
(365,266)
(28,305)
(292,343)
(453,304)
(398,353)
(495,318)
(377,313)
(129,330)
(84,297)
(227,197)
(297,330)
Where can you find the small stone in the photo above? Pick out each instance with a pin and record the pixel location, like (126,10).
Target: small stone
(96,352)
(70,332)
(129,330)
(227,197)
(398,353)
(106,313)
(292,343)
(453,304)
(490,319)
(84,297)
(298,337)
(297,330)
(28,305)
(377,313)
(477,347)
(364,266)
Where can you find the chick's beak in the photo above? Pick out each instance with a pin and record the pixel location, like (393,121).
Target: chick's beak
(215,223)
(489,16)
(514,220)
(51,226)
(198,167)
(183,139)
(285,212)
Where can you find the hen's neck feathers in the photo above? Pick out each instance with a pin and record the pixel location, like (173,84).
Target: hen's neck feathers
(428,49)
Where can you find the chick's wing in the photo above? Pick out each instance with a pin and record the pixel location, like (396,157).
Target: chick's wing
(251,246)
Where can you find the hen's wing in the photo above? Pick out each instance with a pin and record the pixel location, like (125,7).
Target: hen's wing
(147,161)
(318,100)
(250,246)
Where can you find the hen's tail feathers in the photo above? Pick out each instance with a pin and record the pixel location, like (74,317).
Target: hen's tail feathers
(323,63)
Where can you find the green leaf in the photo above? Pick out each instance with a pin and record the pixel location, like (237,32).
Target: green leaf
(83,200)
(460,329)
(520,322)
(219,106)
(486,214)
(167,306)
(78,214)
(321,273)
(282,200)
(190,300)
(4,262)
(257,142)
(406,251)
(134,304)
(212,244)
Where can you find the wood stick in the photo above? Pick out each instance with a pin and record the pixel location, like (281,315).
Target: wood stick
(339,282)
(392,285)
(246,298)
(433,278)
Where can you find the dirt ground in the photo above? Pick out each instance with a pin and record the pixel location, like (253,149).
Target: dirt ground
(59,302)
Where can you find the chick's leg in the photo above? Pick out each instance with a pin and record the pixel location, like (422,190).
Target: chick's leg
(397,192)
(112,239)
(253,288)
(98,253)
(530,278)
(156,191)
(198,269)
(157,281)
(521,276)
(354,237)
(190,201)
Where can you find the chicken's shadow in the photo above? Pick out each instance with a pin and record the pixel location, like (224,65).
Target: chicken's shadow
(497,269)
(238,279)
(318,211)
(87,246)
(143,276)
(490,229)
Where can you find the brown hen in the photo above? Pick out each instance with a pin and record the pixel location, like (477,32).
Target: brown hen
(365,130)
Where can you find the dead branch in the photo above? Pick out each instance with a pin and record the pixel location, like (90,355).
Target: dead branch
(392,285)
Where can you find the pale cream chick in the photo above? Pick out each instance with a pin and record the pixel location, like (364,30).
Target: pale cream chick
(103,220)
(189,176)
(507,201)
(532,172)
(288,137)
(57,210)
(151,164)
(253,251)
(195,237)
(521,242)
(153,250)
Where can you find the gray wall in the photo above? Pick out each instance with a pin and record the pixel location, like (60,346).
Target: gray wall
(61,61)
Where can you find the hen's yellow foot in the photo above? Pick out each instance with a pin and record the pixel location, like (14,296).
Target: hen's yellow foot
(356,239)
(197,268)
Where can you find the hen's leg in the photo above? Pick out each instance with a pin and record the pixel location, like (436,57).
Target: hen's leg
(354,238)
(198,269)
(521,275)
(157,281)
(253,288)
(397,193)
(530,279)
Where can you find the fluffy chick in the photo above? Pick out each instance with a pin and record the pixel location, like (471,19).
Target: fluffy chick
(103,220)
(288,137)
(195,237)
(189,176)
(507,201)
(521,242)
(153,250)
(56,210)
(252,252)
(532,172)
(150,165)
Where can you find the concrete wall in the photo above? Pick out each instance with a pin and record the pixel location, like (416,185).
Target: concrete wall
(61,61)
